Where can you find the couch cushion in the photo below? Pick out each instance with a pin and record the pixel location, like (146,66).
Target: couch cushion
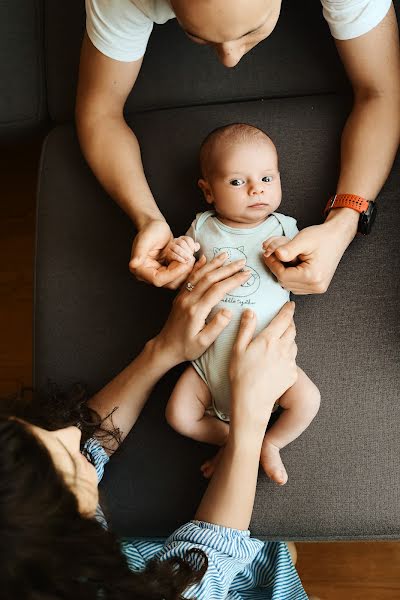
(92,317)
(298,58)
(22,99)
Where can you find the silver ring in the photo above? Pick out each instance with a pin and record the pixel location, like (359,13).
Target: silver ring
(189,286)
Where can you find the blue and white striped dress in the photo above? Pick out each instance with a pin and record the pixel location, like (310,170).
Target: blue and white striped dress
(239,567)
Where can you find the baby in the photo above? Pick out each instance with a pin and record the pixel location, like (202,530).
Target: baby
(240,179)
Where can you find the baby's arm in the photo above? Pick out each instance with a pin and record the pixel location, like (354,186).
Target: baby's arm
(186,410)
(180,249)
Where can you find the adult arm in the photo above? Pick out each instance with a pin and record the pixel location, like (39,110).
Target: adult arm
(112,150)
(372,133)
(185,336)
(261,370)
(369,142)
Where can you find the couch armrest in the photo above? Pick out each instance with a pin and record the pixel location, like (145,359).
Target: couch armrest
(22,97)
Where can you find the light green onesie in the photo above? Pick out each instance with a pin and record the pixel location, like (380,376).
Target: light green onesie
(261,292)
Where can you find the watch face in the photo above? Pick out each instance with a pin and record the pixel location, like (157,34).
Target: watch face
(367,219)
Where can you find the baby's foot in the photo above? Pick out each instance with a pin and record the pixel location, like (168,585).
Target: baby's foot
(272,464)
(208,467)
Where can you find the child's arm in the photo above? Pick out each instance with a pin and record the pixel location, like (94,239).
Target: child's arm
(181,249)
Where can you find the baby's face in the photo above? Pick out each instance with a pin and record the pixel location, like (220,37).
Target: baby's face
(245,185)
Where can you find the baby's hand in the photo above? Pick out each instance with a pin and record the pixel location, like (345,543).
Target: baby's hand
(181,249)
(272,243)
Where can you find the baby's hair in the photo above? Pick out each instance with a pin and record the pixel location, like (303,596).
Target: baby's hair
(228,135)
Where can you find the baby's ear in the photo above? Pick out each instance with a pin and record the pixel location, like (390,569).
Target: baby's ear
(205,188)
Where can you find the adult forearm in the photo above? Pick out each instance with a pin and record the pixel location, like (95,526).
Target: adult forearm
(261,369)
(369,143)
(121,401)
(112,151)
(229,498)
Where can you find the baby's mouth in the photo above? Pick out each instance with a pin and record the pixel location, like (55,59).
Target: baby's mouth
(258,205)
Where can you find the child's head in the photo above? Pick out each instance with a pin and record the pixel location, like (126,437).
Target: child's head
(240,175)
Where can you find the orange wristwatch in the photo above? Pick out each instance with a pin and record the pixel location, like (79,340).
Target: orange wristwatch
(366,208)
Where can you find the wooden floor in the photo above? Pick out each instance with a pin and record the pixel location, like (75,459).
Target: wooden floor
(18,172)
(330,570)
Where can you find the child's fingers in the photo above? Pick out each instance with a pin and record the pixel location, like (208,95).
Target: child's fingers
(268,247)
(180,249)
(193,246)
(268,241)
(187,245)
(271,245)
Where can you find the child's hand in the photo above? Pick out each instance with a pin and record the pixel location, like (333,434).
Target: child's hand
(181,249)
(272,243)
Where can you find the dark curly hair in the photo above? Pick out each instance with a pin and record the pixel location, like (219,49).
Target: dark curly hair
(49,550)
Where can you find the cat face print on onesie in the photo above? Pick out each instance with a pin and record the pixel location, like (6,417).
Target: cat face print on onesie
(253,283)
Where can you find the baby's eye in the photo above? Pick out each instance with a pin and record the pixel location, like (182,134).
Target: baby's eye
(236,182)
(267,179)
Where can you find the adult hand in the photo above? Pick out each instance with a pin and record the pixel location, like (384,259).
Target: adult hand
(318,250)
(146,257)
(186,335)
(263,368)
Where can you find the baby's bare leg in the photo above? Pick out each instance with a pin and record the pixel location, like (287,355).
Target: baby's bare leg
(186,410)
(301,403)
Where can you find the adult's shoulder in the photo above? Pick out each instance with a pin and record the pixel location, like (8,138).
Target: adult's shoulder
(159,11)
(348,19)
(121,29)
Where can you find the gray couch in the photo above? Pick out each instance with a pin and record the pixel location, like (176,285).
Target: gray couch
(91,316)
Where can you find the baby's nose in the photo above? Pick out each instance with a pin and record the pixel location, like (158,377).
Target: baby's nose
(256,188)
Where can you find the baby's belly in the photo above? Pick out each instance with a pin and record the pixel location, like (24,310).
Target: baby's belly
(213,365)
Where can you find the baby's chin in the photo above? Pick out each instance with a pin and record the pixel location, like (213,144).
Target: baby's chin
(244,220)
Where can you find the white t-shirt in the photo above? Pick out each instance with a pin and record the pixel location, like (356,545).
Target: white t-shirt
(121,29)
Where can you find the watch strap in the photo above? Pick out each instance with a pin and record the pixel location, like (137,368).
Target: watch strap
(357,203)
